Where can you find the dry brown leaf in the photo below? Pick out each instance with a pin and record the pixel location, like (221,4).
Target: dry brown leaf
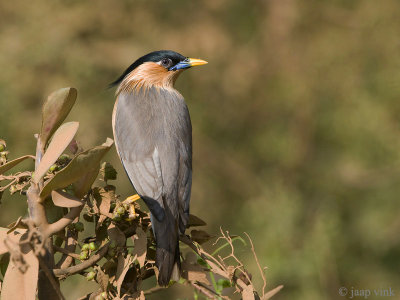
(107,195)
(122,269)
(116,234)
(103,199)
(73,146)
(200,236)
(13,236)
(54,111)
(85,161)
(63,199)
(13,163)
(217,270)
(272,292)
(17,224)
(18,285)
(195,221)
(193,271)
(3,235)
(102,278)
(248,293)
(61,139)
(83,184)
(140,246)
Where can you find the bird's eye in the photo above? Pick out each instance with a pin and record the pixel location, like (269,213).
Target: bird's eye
(166,62)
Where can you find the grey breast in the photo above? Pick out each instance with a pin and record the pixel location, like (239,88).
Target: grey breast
(153,135)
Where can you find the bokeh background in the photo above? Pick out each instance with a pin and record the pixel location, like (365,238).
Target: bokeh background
(296,120)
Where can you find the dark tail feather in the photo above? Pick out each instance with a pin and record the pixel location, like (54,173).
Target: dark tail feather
(167,253)
(168,265)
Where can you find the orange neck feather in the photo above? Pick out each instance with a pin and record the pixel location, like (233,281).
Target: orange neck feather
(148,75)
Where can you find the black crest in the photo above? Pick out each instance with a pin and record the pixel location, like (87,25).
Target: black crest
(151,57)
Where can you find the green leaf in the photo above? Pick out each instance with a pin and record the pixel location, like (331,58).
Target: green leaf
(81,164)
(54,111)
(61,139)
(13,163)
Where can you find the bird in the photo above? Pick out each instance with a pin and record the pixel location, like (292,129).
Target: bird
(153,137)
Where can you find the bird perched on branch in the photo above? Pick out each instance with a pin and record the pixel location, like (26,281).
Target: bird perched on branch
(153,137)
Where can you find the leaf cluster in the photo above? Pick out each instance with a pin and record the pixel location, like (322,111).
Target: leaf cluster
(99,235)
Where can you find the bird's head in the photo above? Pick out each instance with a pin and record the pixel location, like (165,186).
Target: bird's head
(156,69)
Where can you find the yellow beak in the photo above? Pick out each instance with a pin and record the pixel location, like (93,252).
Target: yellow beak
(187,63)
(196,62)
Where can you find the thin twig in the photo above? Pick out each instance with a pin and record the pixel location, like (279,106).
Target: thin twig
(66,252)
(258,264)
(70,246)
(84,265)
(64,221)
(205,291)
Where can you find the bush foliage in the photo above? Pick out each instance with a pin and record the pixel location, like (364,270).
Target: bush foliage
(77,227)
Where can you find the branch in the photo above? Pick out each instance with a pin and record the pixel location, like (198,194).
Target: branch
(50,277)
(37,211)
(84,265)
(63,222)
(205,291)
(70,246)
(258,264)
(66,252)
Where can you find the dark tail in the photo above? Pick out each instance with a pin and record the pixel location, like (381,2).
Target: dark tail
(167,253)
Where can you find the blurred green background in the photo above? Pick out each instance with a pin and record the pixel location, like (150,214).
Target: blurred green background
(296,120)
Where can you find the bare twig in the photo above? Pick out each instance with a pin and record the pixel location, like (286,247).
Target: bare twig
(272,292)
(64,221)
(258,265)
(84,265)
(66,252)
(205,291)
(70,246)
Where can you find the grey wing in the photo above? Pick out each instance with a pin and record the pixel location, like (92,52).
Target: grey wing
(140,159)
(145,175)
(184,193)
